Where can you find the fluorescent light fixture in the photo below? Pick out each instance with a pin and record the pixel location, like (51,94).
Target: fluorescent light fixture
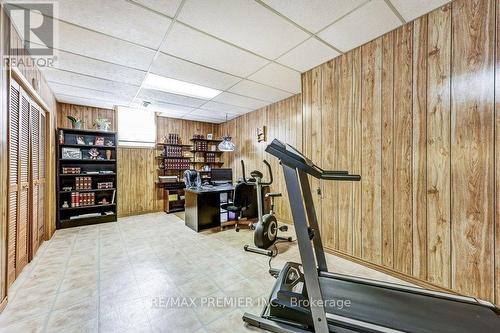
(162,83)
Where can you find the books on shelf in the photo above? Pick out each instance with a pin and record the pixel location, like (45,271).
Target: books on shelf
(86,178)
(82,199)
(83,183)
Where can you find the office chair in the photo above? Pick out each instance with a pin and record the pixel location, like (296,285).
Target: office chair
(192,179)
(244,196)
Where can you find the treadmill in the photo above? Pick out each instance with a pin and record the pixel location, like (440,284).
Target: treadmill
(306,297)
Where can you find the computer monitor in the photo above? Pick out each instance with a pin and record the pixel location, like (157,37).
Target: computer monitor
(222,176)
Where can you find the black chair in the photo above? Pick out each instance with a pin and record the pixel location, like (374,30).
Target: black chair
(192,179)
(244,195)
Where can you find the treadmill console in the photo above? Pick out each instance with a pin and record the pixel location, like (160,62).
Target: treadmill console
(291,157)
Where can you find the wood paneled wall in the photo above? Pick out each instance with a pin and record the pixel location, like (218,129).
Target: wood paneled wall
(185,128)
(283,121)
(86,113)
(137,193)
(413,113)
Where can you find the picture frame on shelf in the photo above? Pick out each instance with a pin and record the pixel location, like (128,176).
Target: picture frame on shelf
(71,153)
(210,136)
(99,141)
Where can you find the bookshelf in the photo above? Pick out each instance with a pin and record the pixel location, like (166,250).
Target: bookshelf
(86,182)
(177,157)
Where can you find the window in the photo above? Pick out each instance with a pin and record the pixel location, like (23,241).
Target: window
(136,127)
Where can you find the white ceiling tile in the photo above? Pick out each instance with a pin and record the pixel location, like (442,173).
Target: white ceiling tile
(194,117)
(170,108)
(244,23)
(164,97)
(307,55)
(167,7)
(171,114)
(113,17)
(259,91)
(209,114)
(58,88)
(174,68)
(361,26)
(225,108)
(242,101)
(84,101)
(278,76)
(314,15)
(68,78)
(200,48)
(92,44)
(79,64)
(411,9)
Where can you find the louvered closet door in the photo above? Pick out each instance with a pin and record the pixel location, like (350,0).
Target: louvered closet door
(35,179)
(24,215)
(14,185)
(42,177)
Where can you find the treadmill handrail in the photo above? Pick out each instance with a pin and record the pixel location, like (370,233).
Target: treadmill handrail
(295,160)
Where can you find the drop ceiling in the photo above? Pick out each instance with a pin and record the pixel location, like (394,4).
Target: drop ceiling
(252,50)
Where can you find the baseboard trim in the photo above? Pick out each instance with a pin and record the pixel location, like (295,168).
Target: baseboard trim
(391,272)
(3,304)
(139,213)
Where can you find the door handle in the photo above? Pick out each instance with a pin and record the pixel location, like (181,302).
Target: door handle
(318,190)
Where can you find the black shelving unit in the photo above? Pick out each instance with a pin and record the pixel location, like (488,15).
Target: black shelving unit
(100,170)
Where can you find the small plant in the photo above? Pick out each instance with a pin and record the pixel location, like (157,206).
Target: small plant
(75,123)
(102,124)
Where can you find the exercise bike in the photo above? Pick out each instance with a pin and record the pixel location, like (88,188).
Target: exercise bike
(266,230)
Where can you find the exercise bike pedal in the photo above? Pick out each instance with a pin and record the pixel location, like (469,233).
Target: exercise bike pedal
(274,272)
(283,228)
(257,250)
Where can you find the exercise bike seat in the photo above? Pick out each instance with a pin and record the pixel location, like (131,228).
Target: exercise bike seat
(273,195)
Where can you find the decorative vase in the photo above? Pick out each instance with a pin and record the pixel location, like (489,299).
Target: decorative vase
(108,154)
(77,124)
(103,127)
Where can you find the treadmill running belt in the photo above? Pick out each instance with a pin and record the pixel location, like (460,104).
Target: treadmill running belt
(406,311)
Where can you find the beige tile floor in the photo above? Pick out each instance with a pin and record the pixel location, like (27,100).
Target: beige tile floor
(119,277)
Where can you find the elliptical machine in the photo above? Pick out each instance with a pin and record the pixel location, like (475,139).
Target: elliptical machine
(266,229)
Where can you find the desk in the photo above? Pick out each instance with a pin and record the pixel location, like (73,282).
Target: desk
(202,206)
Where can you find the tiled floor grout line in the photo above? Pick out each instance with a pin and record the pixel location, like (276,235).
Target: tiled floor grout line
(131,265)
(73,242)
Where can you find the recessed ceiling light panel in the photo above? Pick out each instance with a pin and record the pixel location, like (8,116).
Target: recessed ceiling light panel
(157,82)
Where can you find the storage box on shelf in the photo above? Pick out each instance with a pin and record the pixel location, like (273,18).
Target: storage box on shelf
(86,182)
